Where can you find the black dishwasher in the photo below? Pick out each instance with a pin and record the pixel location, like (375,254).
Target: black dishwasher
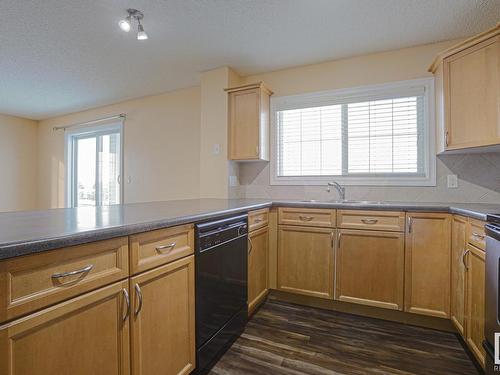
(221,287)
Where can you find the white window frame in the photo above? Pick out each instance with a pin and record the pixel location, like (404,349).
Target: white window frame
(372,92)
(70,136)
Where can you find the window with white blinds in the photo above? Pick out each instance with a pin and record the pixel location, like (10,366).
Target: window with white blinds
(377,135)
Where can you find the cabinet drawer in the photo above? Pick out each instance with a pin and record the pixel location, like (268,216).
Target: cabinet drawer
(36,281)
(475,233)
(372,220)
(152,249)
(258,219)
(311,217)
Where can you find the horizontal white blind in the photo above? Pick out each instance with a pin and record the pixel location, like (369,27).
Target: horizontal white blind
(358,138)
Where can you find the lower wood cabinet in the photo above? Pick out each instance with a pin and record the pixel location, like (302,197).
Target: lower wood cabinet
(474,327)
(257,267)
(370,268)
(163,319)
(427,264)
(458,251)
(305,260)
(85,335)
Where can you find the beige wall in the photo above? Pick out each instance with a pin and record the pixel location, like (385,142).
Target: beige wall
(215,168)
(161,148)
(403,64)
(18,172)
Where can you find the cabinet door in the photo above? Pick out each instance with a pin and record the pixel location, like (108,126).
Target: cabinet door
(85,335)
(458,248)
(163,319)
(257,267)
(244,124)
(474,335)
(305,261)
(471,93)
(370,268)
(427,264)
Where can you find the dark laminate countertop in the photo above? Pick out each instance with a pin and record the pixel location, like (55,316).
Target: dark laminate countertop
(27,232)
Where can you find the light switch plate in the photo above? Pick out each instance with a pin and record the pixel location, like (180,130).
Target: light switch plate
(216,149)
(452,181)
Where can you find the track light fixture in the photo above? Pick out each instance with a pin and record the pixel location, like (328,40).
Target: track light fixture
(126,23)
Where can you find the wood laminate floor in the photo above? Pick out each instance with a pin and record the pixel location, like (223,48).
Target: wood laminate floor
(283,338)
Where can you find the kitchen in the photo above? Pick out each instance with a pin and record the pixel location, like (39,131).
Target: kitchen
(250,187)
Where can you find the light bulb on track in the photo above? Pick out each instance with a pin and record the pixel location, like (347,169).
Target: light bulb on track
(141,34)
(125,24)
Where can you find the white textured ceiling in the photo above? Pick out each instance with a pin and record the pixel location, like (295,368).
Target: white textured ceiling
(61,56)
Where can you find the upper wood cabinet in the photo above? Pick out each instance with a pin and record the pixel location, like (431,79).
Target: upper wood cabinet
(162,319)
(468,93)
(427,264)
(305,260)
(86,335)
(248,137)
(370,268)
(458,253)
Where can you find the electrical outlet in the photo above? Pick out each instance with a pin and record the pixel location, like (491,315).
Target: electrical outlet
(452,181)
(233,181)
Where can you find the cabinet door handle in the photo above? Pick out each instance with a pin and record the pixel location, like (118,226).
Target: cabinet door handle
(370,221)
(250,248)
(477,235)
(85,270)
(170,246)
(139,297)
(463,259)
(332,239)
(127,302)
(446,138)
(409,224)
(338,244)
(306,218)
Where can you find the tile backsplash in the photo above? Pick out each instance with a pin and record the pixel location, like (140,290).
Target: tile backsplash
(478,182)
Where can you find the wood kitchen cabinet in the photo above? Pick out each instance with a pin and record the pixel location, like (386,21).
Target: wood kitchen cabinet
(458,252)
(163,319)
(370,268)
(305,260)
(427,264)
(249,122)
(468,91)
(257,267)
(474,327)
(85,335)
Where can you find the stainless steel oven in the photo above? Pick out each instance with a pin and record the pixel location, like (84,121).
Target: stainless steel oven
(492,298)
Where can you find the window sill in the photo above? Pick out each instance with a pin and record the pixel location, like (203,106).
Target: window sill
(355,181)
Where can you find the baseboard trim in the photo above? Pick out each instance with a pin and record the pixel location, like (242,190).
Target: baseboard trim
(364,310)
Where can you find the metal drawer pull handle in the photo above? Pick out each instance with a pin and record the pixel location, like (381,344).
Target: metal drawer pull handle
(170,246)
(306,218)
(463,259)
(73,273)
(139,296)
(127,302)
(370,221)
(257,220)
(477,235)
(251,245)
